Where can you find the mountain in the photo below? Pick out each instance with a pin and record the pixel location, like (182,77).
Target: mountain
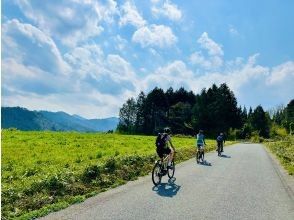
(24,119)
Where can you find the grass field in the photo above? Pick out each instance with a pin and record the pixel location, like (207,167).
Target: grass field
(284,150)
(47,171)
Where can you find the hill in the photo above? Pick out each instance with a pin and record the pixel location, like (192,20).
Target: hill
(24,119)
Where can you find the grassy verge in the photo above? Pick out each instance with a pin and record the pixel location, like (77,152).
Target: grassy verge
(284,150)
(48,171)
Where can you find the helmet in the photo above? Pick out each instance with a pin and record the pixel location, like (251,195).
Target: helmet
(200,131)
(167,130)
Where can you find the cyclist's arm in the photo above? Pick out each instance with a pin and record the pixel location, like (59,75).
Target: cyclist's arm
(171,144)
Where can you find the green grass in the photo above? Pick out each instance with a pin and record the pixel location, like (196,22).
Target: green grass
(284,150)
(46,171)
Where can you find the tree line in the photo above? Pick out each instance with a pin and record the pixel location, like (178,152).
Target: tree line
(214,110)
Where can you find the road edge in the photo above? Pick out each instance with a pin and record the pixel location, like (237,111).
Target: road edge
(286,179)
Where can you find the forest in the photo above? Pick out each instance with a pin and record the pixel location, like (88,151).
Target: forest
(214,110)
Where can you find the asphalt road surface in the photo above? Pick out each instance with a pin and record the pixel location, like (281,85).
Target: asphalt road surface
(246,183)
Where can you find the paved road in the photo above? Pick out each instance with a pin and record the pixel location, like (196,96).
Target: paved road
(246,184)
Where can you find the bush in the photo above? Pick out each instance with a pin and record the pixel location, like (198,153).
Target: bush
(277,131)
(91,173)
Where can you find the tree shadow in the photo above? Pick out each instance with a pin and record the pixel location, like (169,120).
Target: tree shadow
(168,189)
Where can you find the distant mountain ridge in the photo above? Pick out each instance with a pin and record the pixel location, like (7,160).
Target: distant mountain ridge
(24,119)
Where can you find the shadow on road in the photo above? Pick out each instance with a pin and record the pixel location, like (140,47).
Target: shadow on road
(168,189)
(205,163)
(225,156)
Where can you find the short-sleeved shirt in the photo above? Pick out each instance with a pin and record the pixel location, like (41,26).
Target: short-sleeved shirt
(200,139)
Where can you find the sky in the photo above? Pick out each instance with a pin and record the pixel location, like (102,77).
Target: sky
(88,57)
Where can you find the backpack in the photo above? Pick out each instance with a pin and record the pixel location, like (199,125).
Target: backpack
(160,140)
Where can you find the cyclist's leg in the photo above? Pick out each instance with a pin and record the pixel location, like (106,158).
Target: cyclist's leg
(218,146)
(170,153)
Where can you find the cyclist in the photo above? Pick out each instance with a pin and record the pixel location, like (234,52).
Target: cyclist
(220,142)
(167,147)
(200,142)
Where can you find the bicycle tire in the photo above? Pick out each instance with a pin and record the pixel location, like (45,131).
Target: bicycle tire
(156,174)
(171,170)
(197,157)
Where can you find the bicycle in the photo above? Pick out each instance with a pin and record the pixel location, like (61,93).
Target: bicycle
(200,154)
(161,168)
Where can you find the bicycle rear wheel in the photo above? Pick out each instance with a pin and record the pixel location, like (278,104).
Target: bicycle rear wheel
(197,156)
(156,174)
(171,170)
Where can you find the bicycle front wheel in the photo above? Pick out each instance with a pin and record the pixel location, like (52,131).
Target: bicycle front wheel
(171,170)
(156,174)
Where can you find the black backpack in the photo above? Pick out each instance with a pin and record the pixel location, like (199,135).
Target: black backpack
(160,140)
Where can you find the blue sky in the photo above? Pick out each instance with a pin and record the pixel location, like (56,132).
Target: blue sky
(87,57)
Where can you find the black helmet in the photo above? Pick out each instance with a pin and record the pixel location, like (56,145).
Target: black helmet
(167,130)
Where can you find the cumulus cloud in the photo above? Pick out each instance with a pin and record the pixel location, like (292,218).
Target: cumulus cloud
(212,47)
(54,81)
(168,10)
(282,73)
(246,79)
(154,35)
(214,59)
(130,15)
(33,47)
(70,22)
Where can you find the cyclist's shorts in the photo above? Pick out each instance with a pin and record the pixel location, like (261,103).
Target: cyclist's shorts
(162,151)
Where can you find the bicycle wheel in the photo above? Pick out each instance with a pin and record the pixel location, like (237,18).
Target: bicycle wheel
(171,170)
(197,156)
(156,174)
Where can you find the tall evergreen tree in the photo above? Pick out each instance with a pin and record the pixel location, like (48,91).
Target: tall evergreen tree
(259,122)
(127,116)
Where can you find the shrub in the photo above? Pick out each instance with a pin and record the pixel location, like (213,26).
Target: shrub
(91,173)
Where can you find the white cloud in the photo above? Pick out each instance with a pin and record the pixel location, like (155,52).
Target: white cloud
(214,58)
(83,81)
(154,35)
(207,63)
(32,46)
(130,15)
(168,10)
(212,47)
(70,22)
(120,43)
(233,31)
(282,73)
(251,83)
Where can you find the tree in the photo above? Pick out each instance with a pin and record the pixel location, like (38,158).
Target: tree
(290,116)
(141,120)
(127,116)
(216,110)
(260,122)
(156,109)
(179,117)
